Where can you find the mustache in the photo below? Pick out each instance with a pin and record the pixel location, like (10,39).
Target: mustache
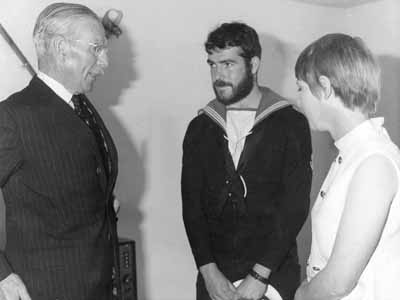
(221,83)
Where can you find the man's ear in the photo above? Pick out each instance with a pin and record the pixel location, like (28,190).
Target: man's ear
(255,64)
(326,87)
(60,47)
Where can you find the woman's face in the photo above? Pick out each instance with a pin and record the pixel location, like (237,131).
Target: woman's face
(309,105)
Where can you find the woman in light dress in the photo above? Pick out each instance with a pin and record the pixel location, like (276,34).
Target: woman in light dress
(355,252)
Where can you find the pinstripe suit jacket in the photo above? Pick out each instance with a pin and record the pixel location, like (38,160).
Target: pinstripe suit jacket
(57,198)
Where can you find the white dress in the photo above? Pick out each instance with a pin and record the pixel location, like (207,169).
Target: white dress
(381,278)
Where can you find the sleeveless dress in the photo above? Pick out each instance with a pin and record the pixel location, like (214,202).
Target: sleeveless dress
(380,279)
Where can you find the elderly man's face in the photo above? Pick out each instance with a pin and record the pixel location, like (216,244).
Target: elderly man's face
(88,56)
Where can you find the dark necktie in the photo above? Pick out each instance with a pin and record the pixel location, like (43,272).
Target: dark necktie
(84,112)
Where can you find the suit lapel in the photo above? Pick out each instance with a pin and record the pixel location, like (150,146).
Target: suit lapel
(46,97)
(49,100)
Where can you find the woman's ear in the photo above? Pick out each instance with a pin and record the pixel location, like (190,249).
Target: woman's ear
(326,87)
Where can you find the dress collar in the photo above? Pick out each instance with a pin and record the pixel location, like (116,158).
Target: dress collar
(359,135)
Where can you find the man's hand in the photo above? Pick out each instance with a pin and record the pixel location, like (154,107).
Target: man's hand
(218,286)
(250,289)
(12,288)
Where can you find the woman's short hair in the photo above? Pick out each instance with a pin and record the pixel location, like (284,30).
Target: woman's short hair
(350,66)
(58,19)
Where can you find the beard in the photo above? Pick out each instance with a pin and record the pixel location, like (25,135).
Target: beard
(239,91)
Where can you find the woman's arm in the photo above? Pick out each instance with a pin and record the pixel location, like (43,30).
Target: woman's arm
(367,206)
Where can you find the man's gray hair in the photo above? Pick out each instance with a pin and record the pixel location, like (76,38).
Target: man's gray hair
(56,19)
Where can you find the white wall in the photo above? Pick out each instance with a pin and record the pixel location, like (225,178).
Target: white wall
(157,81)
(379,25)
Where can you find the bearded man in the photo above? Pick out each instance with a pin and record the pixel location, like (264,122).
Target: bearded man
(246,177)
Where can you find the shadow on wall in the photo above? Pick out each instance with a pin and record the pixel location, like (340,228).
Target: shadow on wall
(274,62)
(120,75)
(277,64)
(389,107)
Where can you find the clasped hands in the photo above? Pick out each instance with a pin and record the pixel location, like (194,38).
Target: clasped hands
(250,289)
(220,288)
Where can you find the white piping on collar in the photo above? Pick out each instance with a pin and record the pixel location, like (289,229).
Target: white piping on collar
(216,116)
(274,107)
(220,120)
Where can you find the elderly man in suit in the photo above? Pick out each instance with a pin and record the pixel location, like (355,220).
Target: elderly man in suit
(58,166)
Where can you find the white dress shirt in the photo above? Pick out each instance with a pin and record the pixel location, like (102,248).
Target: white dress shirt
(238,126)
(56,87)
